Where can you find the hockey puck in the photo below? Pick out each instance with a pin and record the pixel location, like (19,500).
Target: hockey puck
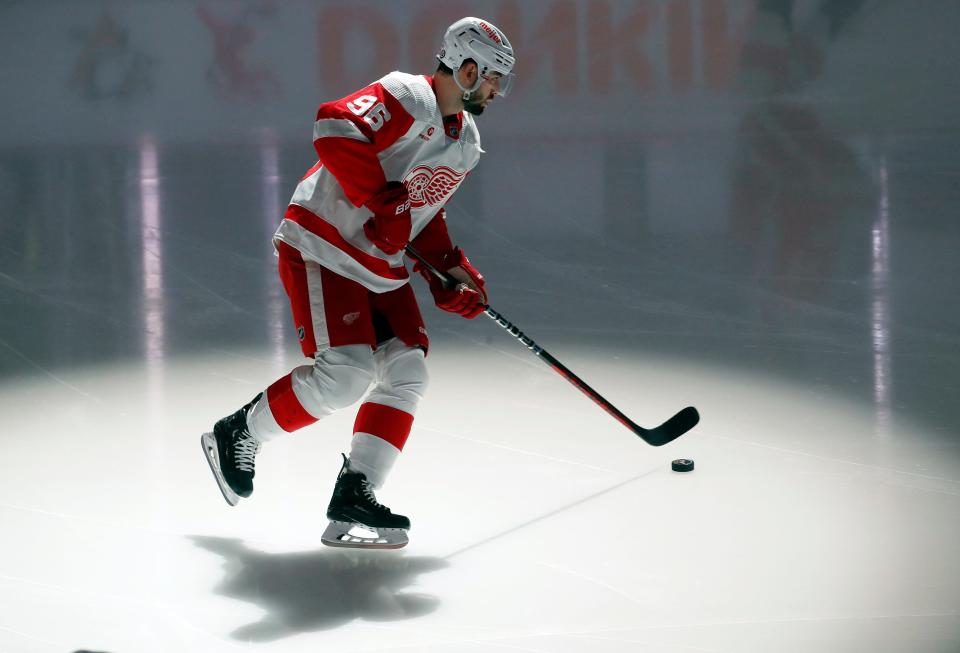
(682,465)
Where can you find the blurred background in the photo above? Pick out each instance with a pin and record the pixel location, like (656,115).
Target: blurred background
(746,205)
(763,183)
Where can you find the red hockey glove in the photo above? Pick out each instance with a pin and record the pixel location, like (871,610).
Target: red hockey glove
(389,228)
(469,297)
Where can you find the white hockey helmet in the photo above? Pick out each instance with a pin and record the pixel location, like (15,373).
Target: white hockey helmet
(480,40)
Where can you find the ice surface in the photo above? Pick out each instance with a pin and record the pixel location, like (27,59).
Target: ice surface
(765,229)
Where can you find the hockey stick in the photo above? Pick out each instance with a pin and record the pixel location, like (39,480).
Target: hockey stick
(669,431)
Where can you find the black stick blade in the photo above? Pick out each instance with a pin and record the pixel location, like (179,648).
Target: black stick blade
(673,428)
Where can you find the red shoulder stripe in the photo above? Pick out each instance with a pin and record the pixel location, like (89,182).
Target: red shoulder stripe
(379,117)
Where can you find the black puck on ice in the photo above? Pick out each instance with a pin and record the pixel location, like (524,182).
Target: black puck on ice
(682,465)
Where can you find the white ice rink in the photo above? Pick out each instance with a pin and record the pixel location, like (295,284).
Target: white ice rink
(779,250)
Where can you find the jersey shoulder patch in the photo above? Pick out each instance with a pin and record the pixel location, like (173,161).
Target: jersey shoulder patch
(414,93)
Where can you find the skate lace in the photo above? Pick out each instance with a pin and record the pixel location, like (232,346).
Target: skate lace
(368,494)
(245,450)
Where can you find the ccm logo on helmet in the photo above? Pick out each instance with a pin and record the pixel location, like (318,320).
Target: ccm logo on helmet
(492,33)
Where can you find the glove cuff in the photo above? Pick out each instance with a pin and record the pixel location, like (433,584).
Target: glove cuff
(454,258)
(443,262)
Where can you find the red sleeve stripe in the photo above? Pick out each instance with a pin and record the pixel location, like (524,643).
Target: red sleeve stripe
(433,241)
(323,229)
(316,166)
(325,127)
(393,129)
(355,165)
(382,118)
(348,143)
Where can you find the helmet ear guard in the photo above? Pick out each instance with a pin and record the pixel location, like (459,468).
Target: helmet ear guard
(476,39)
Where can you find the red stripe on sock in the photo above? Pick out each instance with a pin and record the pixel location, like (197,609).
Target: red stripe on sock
(390,424)
(286,408)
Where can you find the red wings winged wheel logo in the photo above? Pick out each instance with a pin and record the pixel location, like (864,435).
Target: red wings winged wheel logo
(431,186)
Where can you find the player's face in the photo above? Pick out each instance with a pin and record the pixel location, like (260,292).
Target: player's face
(489,89)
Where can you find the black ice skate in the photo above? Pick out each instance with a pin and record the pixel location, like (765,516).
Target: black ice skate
(230,451)
(358,520)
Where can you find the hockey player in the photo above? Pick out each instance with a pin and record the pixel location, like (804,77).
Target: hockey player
(390,157)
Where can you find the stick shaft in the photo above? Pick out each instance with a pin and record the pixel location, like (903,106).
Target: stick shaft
(667,432)
(559,367)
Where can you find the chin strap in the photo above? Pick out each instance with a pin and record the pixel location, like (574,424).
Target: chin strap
(467,92)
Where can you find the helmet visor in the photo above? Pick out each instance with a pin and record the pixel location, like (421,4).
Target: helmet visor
(501,83)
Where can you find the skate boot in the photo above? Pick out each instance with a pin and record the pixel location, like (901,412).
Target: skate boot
(358,520)
(230,451)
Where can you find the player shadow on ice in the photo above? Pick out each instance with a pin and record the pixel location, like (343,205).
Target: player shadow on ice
(319,590)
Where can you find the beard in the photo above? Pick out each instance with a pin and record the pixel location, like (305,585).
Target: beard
(472,107)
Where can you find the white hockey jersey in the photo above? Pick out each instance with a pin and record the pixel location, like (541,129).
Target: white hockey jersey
(391,130)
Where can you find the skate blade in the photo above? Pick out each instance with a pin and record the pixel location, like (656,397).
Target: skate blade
(209,444)
(345,535)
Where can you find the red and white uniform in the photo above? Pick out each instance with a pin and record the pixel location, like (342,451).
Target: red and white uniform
(392,130)
(339,281)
